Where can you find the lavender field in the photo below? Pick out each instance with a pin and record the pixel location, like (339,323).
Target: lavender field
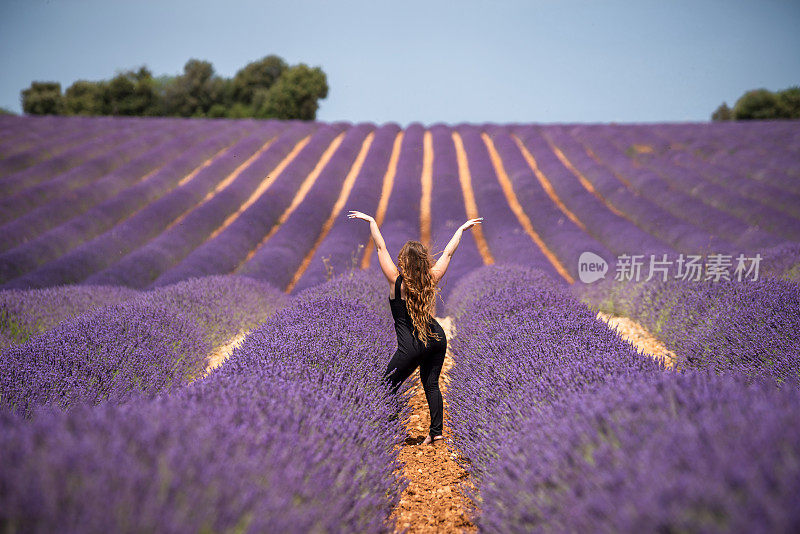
(133,251)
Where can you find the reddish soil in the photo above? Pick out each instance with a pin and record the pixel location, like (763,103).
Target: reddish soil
(386,192)
(301,193)
(545,182)
(465,178)
(516,207)
(344,194)
(427,189)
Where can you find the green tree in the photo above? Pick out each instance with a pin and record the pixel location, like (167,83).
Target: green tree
(722,113)
(6,111)
(294,95)
(195,92)
(160,84)
(758,104)
(790,100)
(239,111)
(130,93)
(266,88)
(256,75)
(84,98)
(216,111)
(43,98)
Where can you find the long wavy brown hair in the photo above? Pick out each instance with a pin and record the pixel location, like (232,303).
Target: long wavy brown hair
(414,263)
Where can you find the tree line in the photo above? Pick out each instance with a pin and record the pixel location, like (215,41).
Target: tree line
(266,88)
(762,104)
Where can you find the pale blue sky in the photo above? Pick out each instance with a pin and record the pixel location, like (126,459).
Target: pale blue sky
(431,61)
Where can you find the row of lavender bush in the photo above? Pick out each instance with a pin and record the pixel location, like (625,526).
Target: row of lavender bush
(277,259)
(567,428)
(71,204)
(293,433)
(723,188)
(25,313)
(95,221)
(688,452)
(116,212)
(228,249)
(764,151)
(642,193)
(342,247)
(143,265)
(115,155)
(146,223)
(24,149)
(95,148)
(106,343)
(521,342)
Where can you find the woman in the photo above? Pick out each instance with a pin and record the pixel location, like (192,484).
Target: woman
(421,340)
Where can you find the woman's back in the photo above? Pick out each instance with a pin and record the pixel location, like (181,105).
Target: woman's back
(407,339)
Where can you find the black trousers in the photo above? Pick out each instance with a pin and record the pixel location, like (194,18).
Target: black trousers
(430,367)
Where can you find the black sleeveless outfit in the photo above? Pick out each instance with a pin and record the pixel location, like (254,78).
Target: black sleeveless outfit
(411,352)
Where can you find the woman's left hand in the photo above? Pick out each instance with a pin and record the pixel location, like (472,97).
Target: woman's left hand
(358,215)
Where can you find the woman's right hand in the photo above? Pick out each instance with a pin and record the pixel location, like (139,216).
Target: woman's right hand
(358,215)
(470,223)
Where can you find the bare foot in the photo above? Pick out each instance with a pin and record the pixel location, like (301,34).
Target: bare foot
(428,439)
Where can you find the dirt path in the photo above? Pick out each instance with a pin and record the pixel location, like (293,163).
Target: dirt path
(516,207)
(386,193)
(223,352)
(344,194)
(426,180)
(585,181)
(433,500)
(544,181)
(265,184)
(470,206)
(301,193)
(221,185)
(637,336)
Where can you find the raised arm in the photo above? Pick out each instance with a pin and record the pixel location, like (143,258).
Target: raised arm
(387,265)
(443,262)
